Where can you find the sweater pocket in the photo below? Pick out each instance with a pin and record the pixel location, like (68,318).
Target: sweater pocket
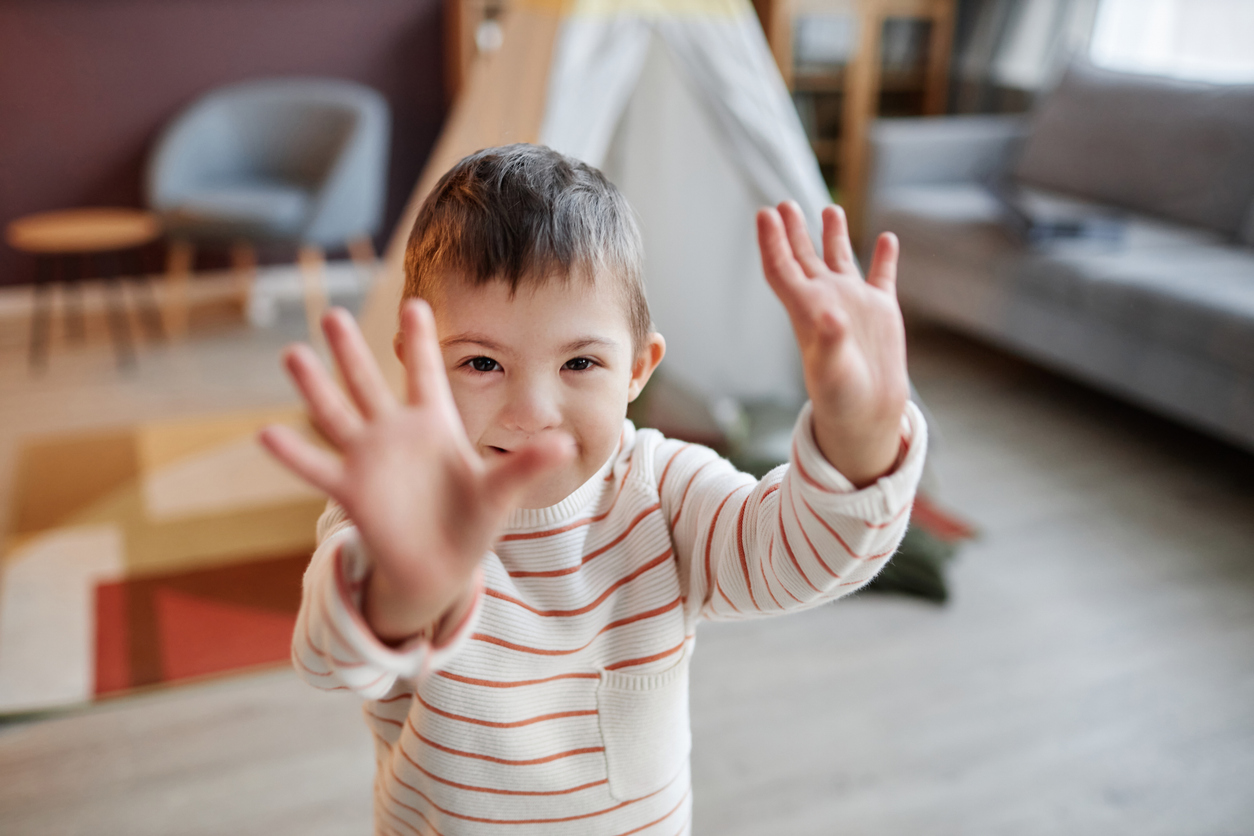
(644,728)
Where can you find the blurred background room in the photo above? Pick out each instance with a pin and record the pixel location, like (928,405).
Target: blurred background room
(1064,643)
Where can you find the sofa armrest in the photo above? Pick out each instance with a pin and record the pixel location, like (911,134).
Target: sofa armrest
(945,149)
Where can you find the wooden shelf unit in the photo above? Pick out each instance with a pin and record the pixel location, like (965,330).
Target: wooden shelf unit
(862,81)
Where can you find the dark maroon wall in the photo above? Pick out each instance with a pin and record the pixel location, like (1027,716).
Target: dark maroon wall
(86,85)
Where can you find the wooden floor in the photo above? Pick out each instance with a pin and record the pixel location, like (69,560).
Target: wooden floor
(1093,673)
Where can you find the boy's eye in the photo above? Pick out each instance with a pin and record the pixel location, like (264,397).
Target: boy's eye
(484,364)
(579,364)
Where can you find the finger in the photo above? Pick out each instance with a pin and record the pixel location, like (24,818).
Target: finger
(319,468)
(837,250)
(883,273)
(357,365)
(425,378)
(328,408)
(513,474)
(783,273)
(799,239)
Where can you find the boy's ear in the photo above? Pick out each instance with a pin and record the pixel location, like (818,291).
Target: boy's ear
(397,345)
(650,355)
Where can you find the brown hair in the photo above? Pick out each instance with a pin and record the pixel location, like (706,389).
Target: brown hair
(525,214)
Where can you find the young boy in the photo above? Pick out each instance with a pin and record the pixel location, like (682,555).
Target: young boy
(509,571)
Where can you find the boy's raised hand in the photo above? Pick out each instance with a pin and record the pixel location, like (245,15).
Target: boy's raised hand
(851,335)
(425,503)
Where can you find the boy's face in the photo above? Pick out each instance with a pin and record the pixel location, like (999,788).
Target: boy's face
(554,358)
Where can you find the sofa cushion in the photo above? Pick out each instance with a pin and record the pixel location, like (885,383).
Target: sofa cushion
(1180,286)
(1175,285)
(256,209)
(1178,150)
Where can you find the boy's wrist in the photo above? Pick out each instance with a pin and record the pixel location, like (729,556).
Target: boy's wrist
(395,618)
(861,454)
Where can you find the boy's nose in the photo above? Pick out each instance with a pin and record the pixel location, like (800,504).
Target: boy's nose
(531,410)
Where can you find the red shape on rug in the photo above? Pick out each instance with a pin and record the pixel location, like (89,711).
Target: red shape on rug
(113,638)
(940,524)
(201,636)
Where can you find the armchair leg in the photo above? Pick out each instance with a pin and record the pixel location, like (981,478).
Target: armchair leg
(312,262)
(244,271)
(361,250)
(179,260)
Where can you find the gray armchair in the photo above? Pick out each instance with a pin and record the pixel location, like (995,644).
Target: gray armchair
(300,160)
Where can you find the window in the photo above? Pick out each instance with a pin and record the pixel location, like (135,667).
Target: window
(1204,40)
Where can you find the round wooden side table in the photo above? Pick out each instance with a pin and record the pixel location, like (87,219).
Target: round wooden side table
(71,244)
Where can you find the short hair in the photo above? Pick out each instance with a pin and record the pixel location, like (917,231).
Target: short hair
(526,214)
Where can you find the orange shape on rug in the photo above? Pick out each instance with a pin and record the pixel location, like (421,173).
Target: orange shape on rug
(200,636)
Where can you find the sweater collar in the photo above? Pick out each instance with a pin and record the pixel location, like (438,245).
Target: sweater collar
(525,518)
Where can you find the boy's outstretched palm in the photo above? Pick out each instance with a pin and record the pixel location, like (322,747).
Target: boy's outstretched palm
(426,505)
(851,335)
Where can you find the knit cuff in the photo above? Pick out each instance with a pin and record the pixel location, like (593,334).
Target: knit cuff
(415,658)
(826,488)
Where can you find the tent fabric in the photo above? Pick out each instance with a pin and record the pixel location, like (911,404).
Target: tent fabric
(682,106)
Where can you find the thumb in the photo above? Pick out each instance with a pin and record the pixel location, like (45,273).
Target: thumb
(508,478)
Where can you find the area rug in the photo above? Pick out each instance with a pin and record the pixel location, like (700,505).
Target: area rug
(164,552)
(172,551)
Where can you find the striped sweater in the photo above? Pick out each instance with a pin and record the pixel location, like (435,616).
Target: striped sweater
(560,705)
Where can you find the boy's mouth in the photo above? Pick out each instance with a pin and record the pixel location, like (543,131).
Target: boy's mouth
(501,450)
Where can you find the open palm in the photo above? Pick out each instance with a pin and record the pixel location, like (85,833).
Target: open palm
(849,331)
(426,505)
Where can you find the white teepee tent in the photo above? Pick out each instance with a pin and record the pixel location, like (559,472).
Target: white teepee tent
(682,106)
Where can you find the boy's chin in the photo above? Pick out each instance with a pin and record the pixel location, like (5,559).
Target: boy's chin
(551,490)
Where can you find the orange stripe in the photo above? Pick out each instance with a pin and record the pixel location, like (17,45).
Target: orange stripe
(744,560)
(687,487)
(806,536)
(414,810)
(492,790)
(323,654)
(663,818)
(644,659)
(810,480)
(657,561)
(409,827)
(481,820)
(301,663)
(667,469)
(709,540)
(535,535)
(388,830)
(554,573)
(513,725)
(483,637)
(408,695)
(488,683)
(337,569)
(775,573)
(891,522)
(569,753)
(770,555)
(783,533)
(718,586)
(396,723)
(840,539)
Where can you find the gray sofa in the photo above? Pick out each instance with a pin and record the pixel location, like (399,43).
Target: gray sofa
(1109,235)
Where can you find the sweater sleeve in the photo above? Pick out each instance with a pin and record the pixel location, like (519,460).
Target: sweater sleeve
(333,648)
(800,536)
